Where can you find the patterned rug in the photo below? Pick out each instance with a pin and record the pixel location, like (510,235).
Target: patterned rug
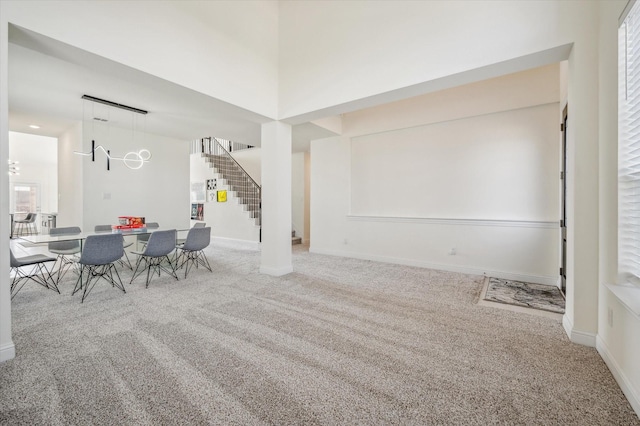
(536,296)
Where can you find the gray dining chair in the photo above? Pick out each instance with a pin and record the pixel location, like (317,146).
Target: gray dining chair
(29,222)
(66,251)
(99,254)
(38,272)
(143,238)
(156,256)
(126,244)
(192,251)
(181,241)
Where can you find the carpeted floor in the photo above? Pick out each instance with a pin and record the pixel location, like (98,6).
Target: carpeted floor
(339,341)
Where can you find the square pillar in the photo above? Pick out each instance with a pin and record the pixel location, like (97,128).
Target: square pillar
(276,199)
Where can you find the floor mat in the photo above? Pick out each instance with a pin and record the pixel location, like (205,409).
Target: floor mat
(536,296)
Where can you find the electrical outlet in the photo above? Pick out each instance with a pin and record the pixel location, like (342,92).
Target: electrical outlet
(453,251)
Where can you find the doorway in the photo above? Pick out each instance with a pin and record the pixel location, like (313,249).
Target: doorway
(563,197)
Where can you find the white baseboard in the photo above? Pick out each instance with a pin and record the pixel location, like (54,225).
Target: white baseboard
(276,272)
(245,243)
(624,383)
(7,352)
(537,279)
(579,337)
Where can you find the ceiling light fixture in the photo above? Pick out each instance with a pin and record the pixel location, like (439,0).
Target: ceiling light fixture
(132,159)
(114,104)
(34,126)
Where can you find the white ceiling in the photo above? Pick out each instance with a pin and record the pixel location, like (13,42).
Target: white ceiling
(47,79)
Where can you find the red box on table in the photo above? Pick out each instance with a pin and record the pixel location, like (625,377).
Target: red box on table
(129,222)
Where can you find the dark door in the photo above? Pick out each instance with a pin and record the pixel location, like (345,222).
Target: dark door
(563,196)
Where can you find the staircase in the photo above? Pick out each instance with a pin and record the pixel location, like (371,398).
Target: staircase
(295,240)
(249,194)
(245,189)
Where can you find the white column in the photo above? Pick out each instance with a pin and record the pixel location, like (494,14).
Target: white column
(7,349)
(276,199)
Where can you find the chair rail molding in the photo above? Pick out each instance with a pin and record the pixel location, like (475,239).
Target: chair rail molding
(456,222)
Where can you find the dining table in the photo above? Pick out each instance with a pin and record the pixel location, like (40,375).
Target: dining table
(81,236)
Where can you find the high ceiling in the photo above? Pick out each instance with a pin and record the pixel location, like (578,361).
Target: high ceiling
(47,79)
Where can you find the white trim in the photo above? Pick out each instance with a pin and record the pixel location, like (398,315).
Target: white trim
(457,222)
(579,337)
(628,296)
(276,272)
(537,279)
(7,352)
(625,12)
(255,245)
(625,384)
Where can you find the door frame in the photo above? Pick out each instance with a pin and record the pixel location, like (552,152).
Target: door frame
(563,202)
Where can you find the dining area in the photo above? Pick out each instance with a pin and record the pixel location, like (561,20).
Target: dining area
(71,260)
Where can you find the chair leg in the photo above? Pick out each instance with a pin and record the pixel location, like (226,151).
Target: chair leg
(94,273)
(154,265)
(128,264)
(202,259)
(39,274)
(66,263)
(137,273)
(189,259)
(79,283)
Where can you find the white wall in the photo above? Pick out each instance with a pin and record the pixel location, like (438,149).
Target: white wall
(500,166)
(227,220)
(38,162)
(70,179)
(7,348)
(618,325)
(158,191)
(298,194)
(225,49)
(485,185)
(378,47)
(250,160)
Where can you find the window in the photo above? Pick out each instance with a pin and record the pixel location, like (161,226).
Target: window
(629,147)
(25,197)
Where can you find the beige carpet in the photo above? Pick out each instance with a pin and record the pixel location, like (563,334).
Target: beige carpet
(339,341)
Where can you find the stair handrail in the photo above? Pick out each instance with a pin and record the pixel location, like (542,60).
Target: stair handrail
(228,154)
(203,148)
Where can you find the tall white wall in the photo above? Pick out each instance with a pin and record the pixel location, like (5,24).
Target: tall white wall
(377,47)
(473,169)
(225,49)
(70,179)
